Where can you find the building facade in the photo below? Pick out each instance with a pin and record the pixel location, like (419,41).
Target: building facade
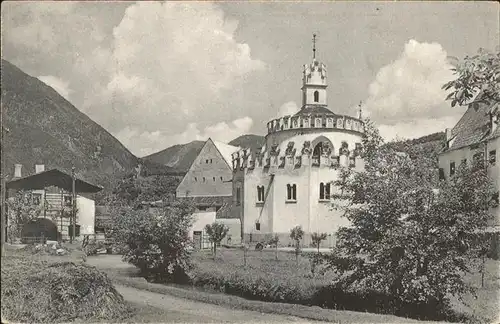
(208,186)
(288,182)
(55,205)
(476,136)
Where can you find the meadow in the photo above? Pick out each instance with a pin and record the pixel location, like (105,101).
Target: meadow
(284,280)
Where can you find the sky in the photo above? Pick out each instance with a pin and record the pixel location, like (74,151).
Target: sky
(157,74)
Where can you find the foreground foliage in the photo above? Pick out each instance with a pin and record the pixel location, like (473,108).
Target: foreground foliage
(157,241)
(39,291)
(412,237)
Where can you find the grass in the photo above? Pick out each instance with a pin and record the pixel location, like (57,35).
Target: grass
(485,306)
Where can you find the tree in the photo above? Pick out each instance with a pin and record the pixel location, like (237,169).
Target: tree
(411,235)
(216,233)
(274,241)
(157,242)
(296,234)
(477,74)
(317,238)
(22,209)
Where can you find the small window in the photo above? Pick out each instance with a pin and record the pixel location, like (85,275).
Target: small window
(324,191)
(202,208)
(316,96)
(478,156)
(238,196)
(195,179)
(221,179)
(210,160)
(452,168)
(204,179)
(206,161)
(257,226)
(291,191)
(441,174)
(493,157)
(495,200)
(260,193)
(214,179)
(68,200)
(37,199)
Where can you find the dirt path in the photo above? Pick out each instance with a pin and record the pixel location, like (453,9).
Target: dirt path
(181,309)
(184,310)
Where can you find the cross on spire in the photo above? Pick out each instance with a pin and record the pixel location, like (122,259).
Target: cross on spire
(314,46)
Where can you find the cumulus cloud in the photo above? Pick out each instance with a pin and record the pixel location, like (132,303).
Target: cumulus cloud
(410,87)
(61,86)
(289,108)
(146,74)
(172,60)
(134,139)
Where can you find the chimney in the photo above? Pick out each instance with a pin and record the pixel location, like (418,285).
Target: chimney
(17,170)
(39,168)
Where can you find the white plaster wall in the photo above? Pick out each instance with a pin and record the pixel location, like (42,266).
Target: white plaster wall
(201,219)
(234,230)
(466,153)
(85,215)
(309,93)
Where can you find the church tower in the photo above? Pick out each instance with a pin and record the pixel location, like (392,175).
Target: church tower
(314,82)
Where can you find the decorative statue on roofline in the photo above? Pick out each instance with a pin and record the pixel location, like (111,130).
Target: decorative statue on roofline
(306,149)
(344,149)
(289,148)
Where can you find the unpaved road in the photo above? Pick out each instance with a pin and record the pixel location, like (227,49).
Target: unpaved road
(185,310)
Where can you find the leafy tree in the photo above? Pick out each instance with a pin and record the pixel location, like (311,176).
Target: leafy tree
(317,238)
(22,209)
(411,236)
(157,242)
(477,74)
(274,242)
(216,233)
(296,234)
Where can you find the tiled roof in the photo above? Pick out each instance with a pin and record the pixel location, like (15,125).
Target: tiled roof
(226,151)
(473,127)
(315,110)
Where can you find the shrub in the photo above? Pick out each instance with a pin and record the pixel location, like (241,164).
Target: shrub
(216,233)
(157,242)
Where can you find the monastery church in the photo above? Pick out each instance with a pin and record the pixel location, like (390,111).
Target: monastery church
(287,182)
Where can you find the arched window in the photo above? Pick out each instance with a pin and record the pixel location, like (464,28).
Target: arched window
(260,193)
(291,192)
(316,96)
(324,191)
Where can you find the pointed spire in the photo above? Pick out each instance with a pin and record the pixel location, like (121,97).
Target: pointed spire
(314,46)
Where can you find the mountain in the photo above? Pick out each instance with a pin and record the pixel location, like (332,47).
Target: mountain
(178,157)
(45,128)
(249,141)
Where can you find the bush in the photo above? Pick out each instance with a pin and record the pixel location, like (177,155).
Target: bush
(157,242)
(41,292)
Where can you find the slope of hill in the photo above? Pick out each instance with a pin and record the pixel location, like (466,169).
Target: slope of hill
(430,145)
(178,157)
(44,128)
(248,141)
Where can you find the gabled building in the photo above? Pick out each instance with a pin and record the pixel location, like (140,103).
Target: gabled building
(208,186)
(51,191)
(476,136)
